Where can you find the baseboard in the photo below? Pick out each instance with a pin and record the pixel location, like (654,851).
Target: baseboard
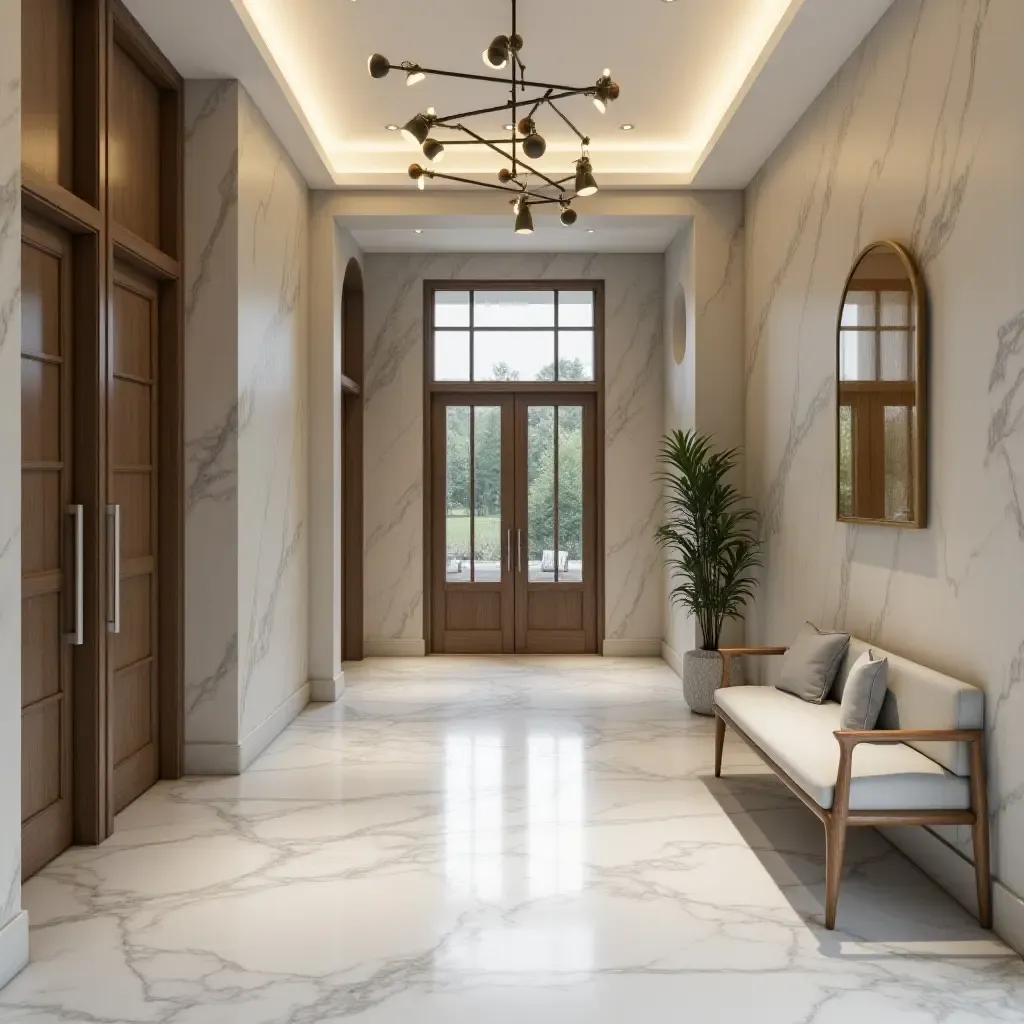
(672,658)
(631,648)
(955,873)
(234,758)
(327,691)
(384,648)
(13,947)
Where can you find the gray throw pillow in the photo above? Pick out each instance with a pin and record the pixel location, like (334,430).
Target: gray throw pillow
(865,692)
(811,664)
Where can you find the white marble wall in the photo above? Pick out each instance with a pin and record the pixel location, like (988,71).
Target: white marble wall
(703,367)
(920,138)
(247,211)
(273,349)
(211,412)
(394,435)
(13,922)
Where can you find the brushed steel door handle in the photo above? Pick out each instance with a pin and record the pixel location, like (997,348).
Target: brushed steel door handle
(114,539)
(519,550)
(508,550)
(77,635)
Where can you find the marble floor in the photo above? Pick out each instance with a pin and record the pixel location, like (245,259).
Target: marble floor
(521,840)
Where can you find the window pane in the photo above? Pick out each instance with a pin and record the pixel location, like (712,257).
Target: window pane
(457,494)
(451,355)
(859,309)
(846,460)
(513,355)
(575,355)
(514,309)
(570,493)
(540,485)
(899,428)
(894,349)
(896,308)
(451,309)
(487,539)
(857,355)
(575,309)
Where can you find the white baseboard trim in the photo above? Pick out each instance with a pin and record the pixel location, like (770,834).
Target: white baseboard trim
(234,758)
(13,947)
(619,648)
(327,691)
(672,658)
(385,648)
(955,873)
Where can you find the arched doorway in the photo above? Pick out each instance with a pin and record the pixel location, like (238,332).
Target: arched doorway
(352,463)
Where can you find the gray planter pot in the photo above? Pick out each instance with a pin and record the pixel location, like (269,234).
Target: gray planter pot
(702,674)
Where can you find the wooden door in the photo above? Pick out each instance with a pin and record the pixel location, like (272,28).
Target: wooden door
(51,541)
(472,441)
(555,524)
(132,536)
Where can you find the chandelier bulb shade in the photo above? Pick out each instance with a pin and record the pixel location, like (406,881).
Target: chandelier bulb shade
(415,76)
(504,175)
(378,65)
(496,55)
(415,171)
(416,129)
(534,146)
(433,150)
(586,185)
(526,126)
(524,219)
(568,217)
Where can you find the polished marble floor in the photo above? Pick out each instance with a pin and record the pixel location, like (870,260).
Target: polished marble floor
(521,841)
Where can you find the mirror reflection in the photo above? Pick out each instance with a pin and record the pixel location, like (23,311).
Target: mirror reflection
(880,360)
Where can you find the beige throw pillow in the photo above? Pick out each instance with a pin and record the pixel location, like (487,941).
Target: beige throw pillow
(864,695)
(811,664)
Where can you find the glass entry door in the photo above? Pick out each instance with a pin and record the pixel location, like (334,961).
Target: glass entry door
(513,523)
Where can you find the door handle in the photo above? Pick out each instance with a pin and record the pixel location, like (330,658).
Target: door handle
(519,550)
(77,635)
(114,539)
(508,550)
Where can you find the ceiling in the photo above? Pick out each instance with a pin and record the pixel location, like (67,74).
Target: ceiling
(712,86)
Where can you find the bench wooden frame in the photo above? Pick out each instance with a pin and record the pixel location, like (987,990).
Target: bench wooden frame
(839,818)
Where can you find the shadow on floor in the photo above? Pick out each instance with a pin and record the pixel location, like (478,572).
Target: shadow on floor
(885,900)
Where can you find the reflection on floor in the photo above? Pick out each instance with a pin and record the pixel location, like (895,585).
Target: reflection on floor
(520,840)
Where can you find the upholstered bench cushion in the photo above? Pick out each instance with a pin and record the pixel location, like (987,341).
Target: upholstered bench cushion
(799,738)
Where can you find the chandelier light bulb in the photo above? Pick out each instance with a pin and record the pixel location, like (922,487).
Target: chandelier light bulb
(600,104)
(433,150)
(421,183)
(378,65)
(415,76)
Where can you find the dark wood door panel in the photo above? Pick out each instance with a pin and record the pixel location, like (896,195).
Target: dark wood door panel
(134,499)
(48,570)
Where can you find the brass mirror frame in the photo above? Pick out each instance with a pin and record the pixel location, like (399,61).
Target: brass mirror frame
(919,519)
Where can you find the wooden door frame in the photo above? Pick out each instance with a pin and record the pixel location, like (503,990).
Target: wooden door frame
(562,388)
(82,210)
(351,546)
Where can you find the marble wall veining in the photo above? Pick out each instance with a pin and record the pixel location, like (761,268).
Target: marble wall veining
(13,921)
(918,138)
(394,430)
(247,346)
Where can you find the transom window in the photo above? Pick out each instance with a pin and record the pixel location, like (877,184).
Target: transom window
(512,335)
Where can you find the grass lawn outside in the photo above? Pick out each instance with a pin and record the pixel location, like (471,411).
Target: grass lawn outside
(488,536)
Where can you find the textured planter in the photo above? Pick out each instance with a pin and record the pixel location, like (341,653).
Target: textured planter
(702,674)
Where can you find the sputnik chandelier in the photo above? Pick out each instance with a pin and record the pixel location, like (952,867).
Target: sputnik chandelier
(430,131)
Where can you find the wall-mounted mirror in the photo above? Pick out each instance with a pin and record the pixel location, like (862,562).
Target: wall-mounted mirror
(881,413)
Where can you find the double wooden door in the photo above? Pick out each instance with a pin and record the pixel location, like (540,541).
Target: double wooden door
(514,523)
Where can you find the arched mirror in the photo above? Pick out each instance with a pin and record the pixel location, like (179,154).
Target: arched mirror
(881,413)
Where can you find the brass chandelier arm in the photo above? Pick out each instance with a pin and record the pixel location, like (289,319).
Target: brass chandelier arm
(537,197)
(470,77)
(479,140)
(510,105)
(583,138)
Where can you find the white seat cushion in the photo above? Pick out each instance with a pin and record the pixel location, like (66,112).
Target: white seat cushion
(799,738)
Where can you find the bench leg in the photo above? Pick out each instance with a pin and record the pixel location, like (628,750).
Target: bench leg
(979,833)
(835,847)
(719,745)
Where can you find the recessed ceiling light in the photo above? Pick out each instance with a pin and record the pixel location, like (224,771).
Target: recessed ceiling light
(626,127)
(391,127)
(417,231)
(590,231)
(508,127)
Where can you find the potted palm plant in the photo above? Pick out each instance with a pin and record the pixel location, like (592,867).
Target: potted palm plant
(712,547)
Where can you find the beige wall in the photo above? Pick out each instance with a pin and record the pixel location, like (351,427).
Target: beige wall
(919,138)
